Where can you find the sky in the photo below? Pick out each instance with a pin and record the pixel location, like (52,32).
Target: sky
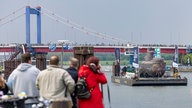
(121,21)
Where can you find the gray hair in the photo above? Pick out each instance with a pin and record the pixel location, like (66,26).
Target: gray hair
(74,62)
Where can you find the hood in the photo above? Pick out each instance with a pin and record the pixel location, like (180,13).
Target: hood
(85,69)
(23,67)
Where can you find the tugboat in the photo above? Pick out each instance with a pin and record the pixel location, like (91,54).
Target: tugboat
(150,72)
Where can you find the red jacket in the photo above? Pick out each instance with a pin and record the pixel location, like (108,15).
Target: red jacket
(93,81)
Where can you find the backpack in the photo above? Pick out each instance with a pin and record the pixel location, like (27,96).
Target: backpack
(82,89)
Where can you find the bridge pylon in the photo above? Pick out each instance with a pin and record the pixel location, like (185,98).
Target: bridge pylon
(30,11)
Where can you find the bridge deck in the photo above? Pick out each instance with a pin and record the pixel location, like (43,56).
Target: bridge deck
(45,48)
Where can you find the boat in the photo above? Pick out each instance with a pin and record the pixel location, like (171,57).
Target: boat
(164,81)
(150,73)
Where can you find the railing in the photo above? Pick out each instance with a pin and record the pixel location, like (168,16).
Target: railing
(102,44)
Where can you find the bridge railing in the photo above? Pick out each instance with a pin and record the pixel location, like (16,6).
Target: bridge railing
(103,44)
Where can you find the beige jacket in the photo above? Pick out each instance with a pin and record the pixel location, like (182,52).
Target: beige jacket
(52,83)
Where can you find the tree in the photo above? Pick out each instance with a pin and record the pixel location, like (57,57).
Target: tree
(185,59)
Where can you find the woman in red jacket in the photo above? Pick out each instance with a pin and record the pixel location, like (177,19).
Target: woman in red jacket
(93,77)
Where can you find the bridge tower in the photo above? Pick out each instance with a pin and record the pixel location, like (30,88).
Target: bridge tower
(30,11)
(40,57)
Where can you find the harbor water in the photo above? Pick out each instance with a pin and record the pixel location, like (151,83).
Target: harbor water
(123,96)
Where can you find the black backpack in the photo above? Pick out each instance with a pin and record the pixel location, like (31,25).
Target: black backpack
(82,89)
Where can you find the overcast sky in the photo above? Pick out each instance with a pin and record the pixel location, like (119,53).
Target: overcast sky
(135,21)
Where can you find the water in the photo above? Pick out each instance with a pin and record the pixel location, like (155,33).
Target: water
(123,96)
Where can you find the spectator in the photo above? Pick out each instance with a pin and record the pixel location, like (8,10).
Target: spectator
(3,86)
(73,66)
(93,78)
(56,84)
(23,78)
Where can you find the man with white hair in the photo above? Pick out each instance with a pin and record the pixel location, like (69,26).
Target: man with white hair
(73,71)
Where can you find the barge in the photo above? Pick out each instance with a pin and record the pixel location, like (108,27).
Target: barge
(150,72)
(164,81)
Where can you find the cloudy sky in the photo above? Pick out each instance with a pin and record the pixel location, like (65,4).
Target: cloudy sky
(134,21)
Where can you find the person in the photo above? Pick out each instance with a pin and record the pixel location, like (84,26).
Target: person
(72,70)
(93,78)
(23,78)
(55,84)
(3,86)
(124,69)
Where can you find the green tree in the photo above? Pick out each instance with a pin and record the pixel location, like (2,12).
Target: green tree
(185,59)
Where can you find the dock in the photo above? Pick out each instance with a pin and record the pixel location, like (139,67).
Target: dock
(164,81)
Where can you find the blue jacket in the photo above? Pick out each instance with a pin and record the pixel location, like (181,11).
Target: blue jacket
(74,74)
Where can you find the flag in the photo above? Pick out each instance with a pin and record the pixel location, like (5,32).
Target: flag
(135,65)
(135,55)
(117,55)
(175,65)
(176,54)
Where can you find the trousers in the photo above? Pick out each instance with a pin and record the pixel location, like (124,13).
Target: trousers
(61,104)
